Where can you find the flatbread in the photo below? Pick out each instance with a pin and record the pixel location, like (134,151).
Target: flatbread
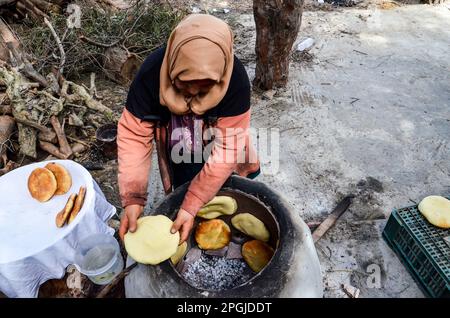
(257,254)
(219,205)
(42,184)
(181,250)
(62,175)
(251,225)
(62,216)
(152,243)
(213,234)
(436,210)
(78,204)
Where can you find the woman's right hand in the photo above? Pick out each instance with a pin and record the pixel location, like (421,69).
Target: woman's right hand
(129,219)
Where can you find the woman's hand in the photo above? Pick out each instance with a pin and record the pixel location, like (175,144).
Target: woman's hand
(185,222)
(129,219)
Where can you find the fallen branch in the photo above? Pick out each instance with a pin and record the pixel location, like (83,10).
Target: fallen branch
(93,42)
(60,47)
(80,93)
(7,127)
(62,140)
(27,140)
(332,218)
(93,88)
(12,44)
(48,136)
(78,141)
(52,149)
(32,124)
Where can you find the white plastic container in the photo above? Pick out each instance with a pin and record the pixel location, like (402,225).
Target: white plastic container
(98,257)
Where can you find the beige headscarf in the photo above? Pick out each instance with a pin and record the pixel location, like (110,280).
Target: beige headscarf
(200,47)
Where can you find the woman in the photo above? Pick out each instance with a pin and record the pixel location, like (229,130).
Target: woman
(192,86)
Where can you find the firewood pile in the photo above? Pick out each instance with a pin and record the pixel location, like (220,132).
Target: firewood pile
(45,112)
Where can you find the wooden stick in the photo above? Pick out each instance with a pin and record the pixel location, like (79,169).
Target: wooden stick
(60,47)
(332,218)
(32,124)
(93,42)
(104,292)
(62,140)
(78,141)
(52,149)
(48,136)
(92,88)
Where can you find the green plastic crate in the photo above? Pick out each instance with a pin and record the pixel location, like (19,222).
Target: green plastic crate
(421,248)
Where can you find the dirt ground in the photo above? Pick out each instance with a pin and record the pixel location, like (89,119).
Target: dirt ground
(366,112)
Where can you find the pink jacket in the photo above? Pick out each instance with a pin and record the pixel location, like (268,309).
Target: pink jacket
(135,145)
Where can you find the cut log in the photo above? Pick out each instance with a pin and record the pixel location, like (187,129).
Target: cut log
(53,150)
(277,25)
(62,140)
(7,127)
(120,65)
(48,136)
(27,141)
(16,83)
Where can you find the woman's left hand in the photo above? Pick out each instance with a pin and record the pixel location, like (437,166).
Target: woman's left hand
(185,222)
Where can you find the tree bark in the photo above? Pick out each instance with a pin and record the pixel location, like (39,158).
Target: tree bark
(277,26)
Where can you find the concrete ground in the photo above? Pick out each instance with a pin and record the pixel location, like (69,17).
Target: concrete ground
(367,113)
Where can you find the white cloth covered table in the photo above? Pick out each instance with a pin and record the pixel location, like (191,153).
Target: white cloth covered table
(32,249)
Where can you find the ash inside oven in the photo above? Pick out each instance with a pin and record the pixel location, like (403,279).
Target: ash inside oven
(216,273)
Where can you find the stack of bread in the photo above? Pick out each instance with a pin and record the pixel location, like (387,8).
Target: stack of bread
(55,179)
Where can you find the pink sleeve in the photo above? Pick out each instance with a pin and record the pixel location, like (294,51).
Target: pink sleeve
(134,146)
(228,147)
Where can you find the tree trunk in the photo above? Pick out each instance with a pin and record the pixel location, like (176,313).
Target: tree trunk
(277,25)
(120,66)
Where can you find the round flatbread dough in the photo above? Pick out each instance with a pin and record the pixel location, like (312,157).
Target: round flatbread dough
(62,175)
(251,225)
(213,234)
(436,210)
(152,243)
(42,184)
(256,254)
(175,258)
(219,205)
